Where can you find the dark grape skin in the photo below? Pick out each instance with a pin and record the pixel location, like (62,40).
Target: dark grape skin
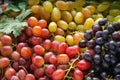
(117,68)
(103,75)
(102,22)
(87,56)
(110,28)
(98,34)
(116,36)
(117,77)
(82,44)
(105,34)
(88,34)
(98,49)
(107,57)
(99,41)
(96,28)
(112,45)
(91,43)
(97,59)
(116,25)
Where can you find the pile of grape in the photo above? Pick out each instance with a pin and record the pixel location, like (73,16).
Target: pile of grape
(65,40)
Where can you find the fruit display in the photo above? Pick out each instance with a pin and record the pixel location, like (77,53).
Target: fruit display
(60,40)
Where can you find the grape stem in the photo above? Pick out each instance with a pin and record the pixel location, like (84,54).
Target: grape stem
(71,66)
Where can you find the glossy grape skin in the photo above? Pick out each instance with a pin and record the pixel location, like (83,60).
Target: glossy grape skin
(53,59)
(60,74)
(62,5)
(62,59)
(32,21)
(91,43)
(9,73)
(79,17)
(48,6)
(98,49)
(37,31)
(38,49)
(30,77)
(4,62)
(62,24)
(26,52)
(35,40)
(62,48)
(33,2)
(78,75)
(52,26)
(87,56)
(39,72)
(15,55)
(6,40)
(20,46)
(47,56)
(96,28)
(82,44)
(36,9)
(45,33)
(71,51)
(47,44)
(59,38)
(21,74)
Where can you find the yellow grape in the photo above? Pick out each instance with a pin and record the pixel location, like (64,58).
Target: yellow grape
(80,28)
(72,25)
(59,31)
(88,24)
(117,18)
(79,4)
(62,5)
(66,16)
(73,12)
(86,12)
(91,8)
(103,6)
(114,12)
(70,40)
(62,24)
(52,26)
(36,9)
(56,14)
(78,36)
(79,17)
(71,5)
(48,6)
(33,2)
(59,38)
(110,18)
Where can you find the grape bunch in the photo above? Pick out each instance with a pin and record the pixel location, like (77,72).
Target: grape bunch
(104,39)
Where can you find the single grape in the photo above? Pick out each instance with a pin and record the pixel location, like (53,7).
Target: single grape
(30,77)
(26,52)
(39,72)
(62,59)
(62,24)
(15,55)
(6,40)
(14,78)
(78,75)
(38,49)
(4,62)
(32,21)
(9,73)
(38,61)
(21,74)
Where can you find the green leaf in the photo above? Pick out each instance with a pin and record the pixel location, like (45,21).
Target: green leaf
(23,15)
(13,7)
(22,5)
(10,25)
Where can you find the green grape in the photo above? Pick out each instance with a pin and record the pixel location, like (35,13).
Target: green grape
(99,15)
(69,40)
(59,38)
(114,12)
(73,12)
(52,27)
(79,4)
(62,5)
(33,2)
(103,6)
(79,17)
(66,16)
(48,6)
(117,18)
(72,25)
(56,14)
(110,18)
(80,28)
(88,24)
(62,24)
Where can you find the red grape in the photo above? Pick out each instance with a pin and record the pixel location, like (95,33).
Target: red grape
(29,77)
(28,31)
(62,48)
(78,75)
(45,33)
(83,65)
(47,44)
(15,55)
(47,56)
(6,40)
(38,61)
(71,51)
(26,52)
(14,78)
(20,46)
(38,49)
(62,59)
(35,40)
(55,45)
(33,67)
(15,65)
(39,72)
(58,74)
(53,59)
(4,62)
(22,61)
(9,73)
(49,70)
(63,66)
(21,74)
(6,50)
(42,23)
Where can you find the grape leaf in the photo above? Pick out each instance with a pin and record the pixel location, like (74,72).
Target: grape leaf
(22,5)
(10,25)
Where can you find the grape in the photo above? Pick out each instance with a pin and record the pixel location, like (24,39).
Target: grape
(98,49)
(47,56)
(15,65)
(71,51)
(35,40)
(66,16)
(6,50)
(83,65)
(102,22)
(33,67)
(116,26)
(14,78)
(38,49)
(43,14)
(59,38)
(38,61)
(82,44)
(53,59)
(69,40)
(28,31)
(21,74)
(88,24)
(78,75)
(86,12)
(97,59)
(114,12)
(49,70)
(33,2)
(87,56)
(72,25)
(26,52)
(47,44)
(36,9)
(61,5)
(37,31)
(62,59)
(103,6)
(32,21)
(79,17)
(39,72)
(62,47)
(52,27)
(56,14)
(30,77)
(91,43)
(22,61)
(60,74)
(20,46)
(62,24)
(4,62)
(9,73)
(91,8)
(60,31)
(73,13)
(15,55)
(71,5)
(54,46)
(80,28)
(42,23)
(48,6)
(6,40)
(45,33)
